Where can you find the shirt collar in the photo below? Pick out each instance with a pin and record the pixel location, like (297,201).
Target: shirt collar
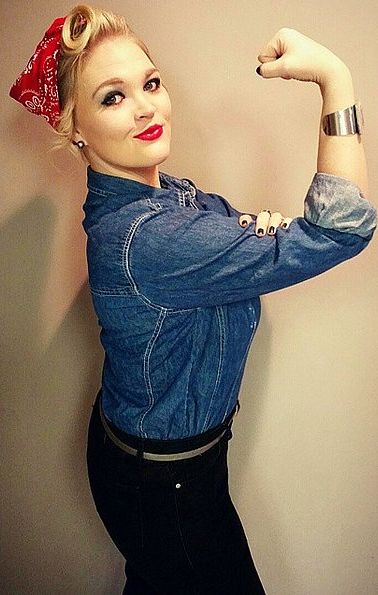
(110,184)
(108,193)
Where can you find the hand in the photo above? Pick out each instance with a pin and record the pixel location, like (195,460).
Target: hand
(291,55)
(265,221)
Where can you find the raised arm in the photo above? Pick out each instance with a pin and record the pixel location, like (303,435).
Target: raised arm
(291,55)
(342,156)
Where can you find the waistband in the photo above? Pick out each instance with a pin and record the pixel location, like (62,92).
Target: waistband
(166,450)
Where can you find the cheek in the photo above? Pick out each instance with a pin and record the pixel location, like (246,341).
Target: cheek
(112,125)
(166,106)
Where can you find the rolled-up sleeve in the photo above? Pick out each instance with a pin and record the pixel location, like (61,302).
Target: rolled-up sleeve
(337,203)
(186,258)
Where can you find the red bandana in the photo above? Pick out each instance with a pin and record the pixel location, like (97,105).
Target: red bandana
(36,87)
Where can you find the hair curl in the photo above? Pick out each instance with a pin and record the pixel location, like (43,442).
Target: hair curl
(84,27)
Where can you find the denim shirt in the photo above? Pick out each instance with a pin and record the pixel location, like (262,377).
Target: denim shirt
(176,281)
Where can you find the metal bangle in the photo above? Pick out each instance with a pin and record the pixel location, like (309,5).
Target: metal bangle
(344,122)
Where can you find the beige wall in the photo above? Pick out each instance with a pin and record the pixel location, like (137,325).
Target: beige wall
(303,460)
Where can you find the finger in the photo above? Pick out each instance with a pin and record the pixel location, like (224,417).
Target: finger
(270,52)
(245,219)
(274,222)
(285,223)
(262,221)
(275,69)
(267,58)
(273,56)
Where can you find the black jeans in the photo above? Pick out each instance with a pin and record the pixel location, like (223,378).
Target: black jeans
(173,521)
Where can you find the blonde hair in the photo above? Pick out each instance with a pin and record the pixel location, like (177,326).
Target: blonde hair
(83,28)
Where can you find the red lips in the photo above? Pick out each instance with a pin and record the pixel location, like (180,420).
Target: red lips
(152,130)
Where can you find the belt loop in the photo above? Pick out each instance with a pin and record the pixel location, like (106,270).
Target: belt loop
(228,433)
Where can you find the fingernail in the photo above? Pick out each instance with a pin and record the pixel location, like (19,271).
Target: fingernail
(258,70)
(271,229)
(260,231)
(284,224)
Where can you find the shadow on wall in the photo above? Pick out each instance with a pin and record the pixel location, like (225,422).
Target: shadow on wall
(55,183)
(55,540)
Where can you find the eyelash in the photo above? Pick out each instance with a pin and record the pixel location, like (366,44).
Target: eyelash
(113,94)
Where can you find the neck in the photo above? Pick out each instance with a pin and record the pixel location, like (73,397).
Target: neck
(144,175)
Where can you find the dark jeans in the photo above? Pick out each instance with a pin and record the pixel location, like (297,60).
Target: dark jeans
(173,521)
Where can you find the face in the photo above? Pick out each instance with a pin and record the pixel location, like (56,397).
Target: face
(109,117)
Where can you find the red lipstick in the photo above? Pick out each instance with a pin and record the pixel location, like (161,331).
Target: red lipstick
(152,133)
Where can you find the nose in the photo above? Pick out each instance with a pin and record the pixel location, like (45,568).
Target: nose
(144,109)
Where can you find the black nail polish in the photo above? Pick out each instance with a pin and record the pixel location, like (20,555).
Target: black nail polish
(258,70)
(260,231)
(271,229)
(284,224)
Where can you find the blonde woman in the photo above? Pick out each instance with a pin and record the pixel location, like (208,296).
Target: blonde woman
(176,276)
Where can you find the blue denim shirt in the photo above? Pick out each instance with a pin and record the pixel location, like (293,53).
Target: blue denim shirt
(176,284)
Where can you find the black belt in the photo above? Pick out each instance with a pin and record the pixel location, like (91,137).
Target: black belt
(163,457)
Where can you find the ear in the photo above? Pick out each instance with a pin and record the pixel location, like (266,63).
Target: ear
(78,136)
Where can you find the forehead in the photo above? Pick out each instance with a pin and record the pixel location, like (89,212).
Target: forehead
(116,56)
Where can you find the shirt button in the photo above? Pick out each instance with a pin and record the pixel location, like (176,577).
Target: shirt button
(178,485)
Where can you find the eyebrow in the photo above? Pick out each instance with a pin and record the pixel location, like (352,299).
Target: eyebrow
(116,80)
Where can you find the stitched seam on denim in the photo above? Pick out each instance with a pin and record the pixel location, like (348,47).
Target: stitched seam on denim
(222,333)
(190,185)
(192,193)
(192,204)
(154,205)
(146,365)
(128,274)
(125,292)
(243,360)
(181,195)
(100,191)
(159,307)
(169,310)
(126,248)
(114,291)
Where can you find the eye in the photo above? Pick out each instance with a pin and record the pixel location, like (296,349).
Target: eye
(109,98)
(156,81)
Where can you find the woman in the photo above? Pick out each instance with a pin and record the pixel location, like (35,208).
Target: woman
(175,276)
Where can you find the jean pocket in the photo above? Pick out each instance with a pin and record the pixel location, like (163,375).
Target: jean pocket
(197,467)
(202,492)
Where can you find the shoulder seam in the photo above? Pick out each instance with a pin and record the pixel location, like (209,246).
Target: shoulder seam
(126,268)
(126,248)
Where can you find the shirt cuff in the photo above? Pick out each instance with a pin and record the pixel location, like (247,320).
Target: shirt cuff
(337,203)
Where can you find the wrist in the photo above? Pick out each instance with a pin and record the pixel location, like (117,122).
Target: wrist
(336,76)
(337,89)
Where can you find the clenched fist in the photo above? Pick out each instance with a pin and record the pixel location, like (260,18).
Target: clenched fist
(292,55)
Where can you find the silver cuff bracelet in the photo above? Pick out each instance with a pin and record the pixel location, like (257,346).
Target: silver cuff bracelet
(344,122)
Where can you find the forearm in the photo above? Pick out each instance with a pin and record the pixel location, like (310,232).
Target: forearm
(342,156)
